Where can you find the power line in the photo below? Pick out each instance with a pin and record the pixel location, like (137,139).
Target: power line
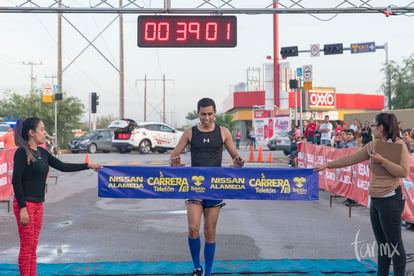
(32,77)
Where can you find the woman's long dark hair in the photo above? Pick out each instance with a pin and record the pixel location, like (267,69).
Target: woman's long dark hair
(21,135)
(390,124)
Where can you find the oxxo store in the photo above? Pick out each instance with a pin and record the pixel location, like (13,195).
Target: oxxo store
(319,102)
(248,109)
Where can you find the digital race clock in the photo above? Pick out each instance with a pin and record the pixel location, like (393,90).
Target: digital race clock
(187,31)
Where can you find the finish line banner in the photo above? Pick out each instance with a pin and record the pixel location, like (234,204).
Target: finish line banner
(208,183)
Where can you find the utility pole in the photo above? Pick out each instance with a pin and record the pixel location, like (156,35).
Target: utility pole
(121,65)
(32,77)
(145,80)
(53,77)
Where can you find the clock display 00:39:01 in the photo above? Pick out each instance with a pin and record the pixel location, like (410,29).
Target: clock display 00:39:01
(187,31)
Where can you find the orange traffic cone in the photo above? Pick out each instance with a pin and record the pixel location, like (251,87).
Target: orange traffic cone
(270,158)
(260,156)
(251,157)
(87,158)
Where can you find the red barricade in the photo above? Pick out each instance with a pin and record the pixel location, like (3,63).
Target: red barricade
(6,170)
(350,182)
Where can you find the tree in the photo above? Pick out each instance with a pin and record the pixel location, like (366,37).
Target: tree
(226,120)
(402,83)
(192,115)
(70,110)
(104,121)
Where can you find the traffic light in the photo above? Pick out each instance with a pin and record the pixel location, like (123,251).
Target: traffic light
(333,49)
(58,96)
(293,84)
(94,102)
(289,51)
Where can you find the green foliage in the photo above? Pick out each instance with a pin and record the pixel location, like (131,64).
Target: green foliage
(226,120)
(402,83)
(70,110)
(192,115)
(104,121)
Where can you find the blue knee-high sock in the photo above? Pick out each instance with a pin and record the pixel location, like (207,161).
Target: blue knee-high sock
(209,251)
(195,246)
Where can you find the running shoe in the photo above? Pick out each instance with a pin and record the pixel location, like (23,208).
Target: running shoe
(198,271)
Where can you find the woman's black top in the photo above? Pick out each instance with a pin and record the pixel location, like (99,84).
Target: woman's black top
(29,181)
(206,147)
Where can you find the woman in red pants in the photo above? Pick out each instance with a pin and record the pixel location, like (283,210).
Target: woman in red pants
(30,169)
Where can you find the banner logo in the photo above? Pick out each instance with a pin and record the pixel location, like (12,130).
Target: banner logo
(198,180)
(321,99)
(299,181)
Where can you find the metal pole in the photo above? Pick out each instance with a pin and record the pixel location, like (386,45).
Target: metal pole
(388,62)
(121,64)
(276,67)
(59,69)
(89,109)
(145,98)
(296,106)
(301,104)
(53,77)
(163,98)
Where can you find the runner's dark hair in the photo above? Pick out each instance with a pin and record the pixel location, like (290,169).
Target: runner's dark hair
(390,124)
(21,135)
(204,102)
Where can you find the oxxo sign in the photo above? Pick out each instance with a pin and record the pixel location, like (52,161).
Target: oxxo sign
(321,99)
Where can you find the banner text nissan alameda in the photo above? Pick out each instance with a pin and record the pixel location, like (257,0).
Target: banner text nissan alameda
(208,183)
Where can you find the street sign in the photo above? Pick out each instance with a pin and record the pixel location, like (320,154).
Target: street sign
(299,71)
(47,93)
(307,85)
(55,88)
(47,90)
(315,50)
(365,47)
(307,73)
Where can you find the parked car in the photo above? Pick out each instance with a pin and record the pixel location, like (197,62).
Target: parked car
(4,128)
(281,142)
(144,137)
(92,141)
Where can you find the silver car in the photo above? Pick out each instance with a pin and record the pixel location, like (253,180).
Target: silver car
(281,142)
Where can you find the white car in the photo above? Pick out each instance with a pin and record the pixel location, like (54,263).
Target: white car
(144,137)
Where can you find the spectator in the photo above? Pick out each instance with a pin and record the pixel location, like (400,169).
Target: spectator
(338,130)
(351,141)
(326,132)
(406,138)
(303,128)
(310,131)
(248,140)
(354,125)
(30,168)
(387,200)
(412,140)
(294,136)
(8,138)
(366,133)
(340,141)
(252,134)
(318,133)
(238,138)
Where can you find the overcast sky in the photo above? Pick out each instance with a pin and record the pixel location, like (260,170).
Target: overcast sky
(194,73)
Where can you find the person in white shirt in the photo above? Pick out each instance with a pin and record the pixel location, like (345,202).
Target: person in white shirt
(326,132)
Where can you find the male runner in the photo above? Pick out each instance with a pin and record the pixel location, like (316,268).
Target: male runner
(206,140)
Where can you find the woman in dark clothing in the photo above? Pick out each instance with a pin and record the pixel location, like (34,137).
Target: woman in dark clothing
(30,169)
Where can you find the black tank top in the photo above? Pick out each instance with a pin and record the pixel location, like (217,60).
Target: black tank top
(206,147)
